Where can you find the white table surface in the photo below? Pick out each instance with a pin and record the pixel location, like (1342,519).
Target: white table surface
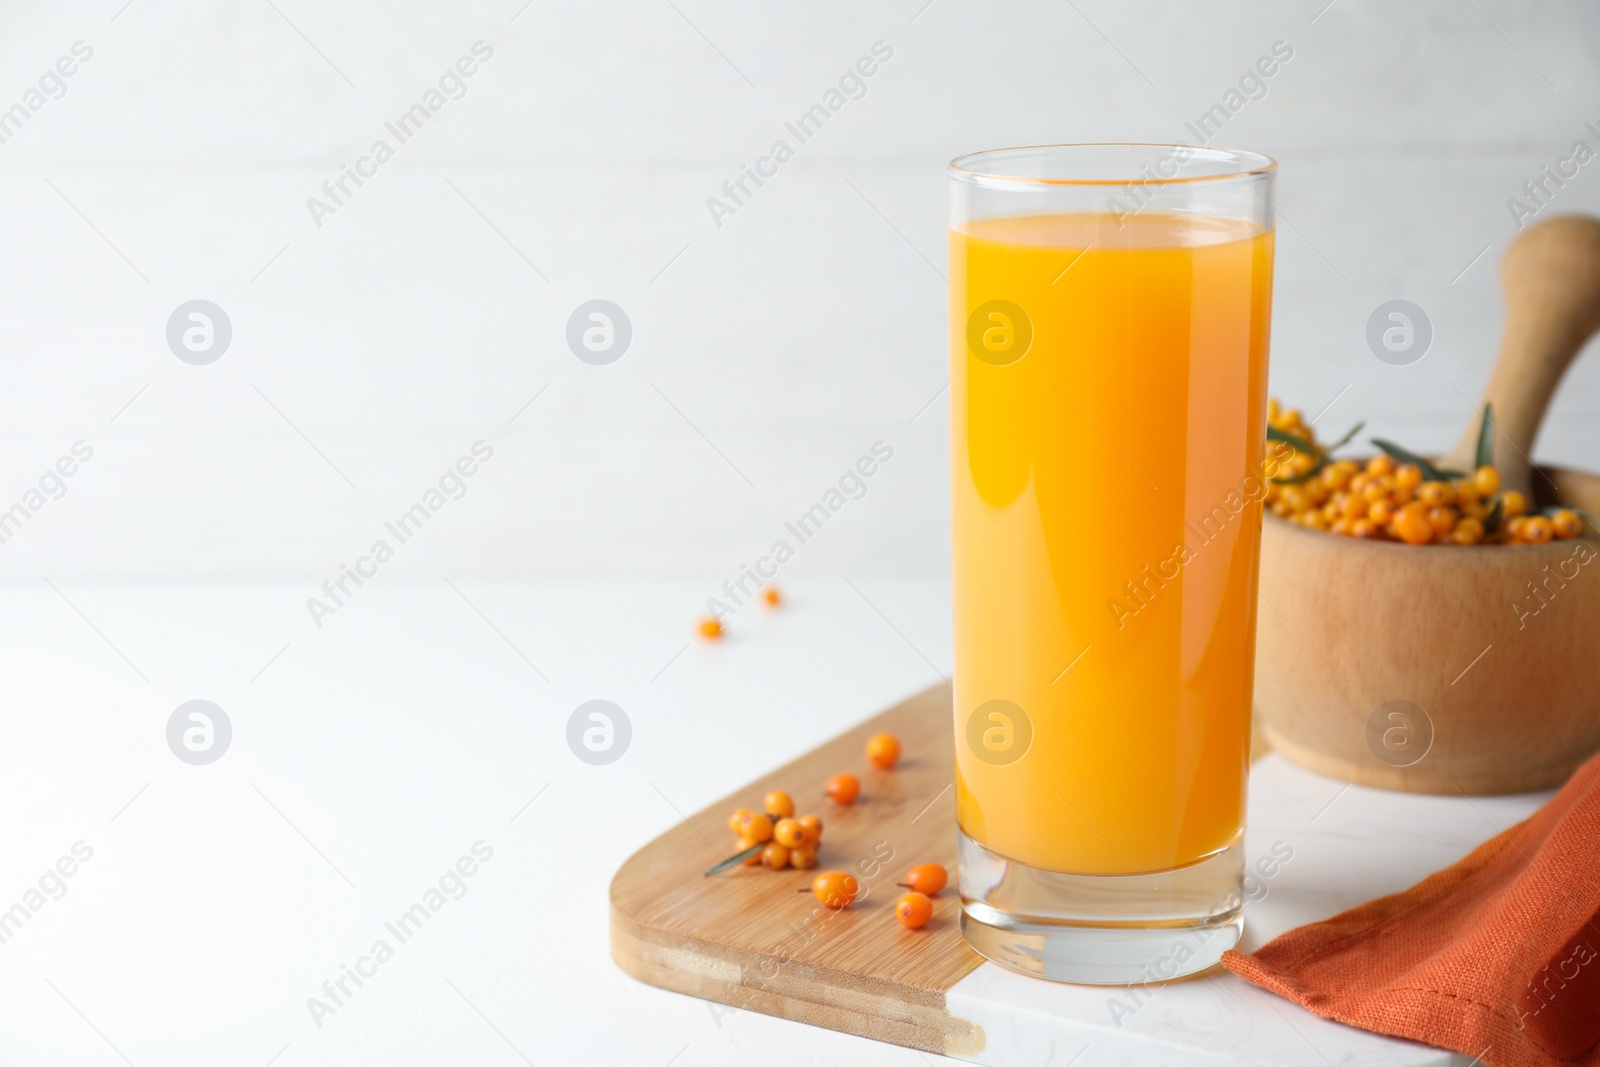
(369,755)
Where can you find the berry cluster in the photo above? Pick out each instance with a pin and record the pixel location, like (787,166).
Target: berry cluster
(777,839)
(774,838)
(1396,495)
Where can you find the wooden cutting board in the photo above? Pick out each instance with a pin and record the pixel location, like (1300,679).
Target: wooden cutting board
(747,938)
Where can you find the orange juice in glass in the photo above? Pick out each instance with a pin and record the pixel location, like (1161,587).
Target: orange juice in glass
(1109,317)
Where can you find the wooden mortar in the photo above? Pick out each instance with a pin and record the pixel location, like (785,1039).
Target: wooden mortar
(1444,669)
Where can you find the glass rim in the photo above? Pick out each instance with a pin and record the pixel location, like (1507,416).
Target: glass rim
(1245,164)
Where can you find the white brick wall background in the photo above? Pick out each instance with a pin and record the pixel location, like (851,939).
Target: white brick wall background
(768,352)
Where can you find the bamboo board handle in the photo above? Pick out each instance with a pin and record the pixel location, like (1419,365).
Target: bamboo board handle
(1550,275)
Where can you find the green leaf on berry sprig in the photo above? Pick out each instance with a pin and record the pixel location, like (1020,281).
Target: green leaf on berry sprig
(736,859)
(1429,471)
(1485,454)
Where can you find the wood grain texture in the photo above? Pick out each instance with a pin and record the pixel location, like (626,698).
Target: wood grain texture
(1496,645)
(1550,275)
(748,938)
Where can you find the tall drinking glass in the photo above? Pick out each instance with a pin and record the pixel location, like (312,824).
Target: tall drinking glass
(1110,306)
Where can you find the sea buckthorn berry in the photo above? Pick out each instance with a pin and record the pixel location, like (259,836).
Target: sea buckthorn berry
(913,910)
(1411,523)
(1436,494)
(778,804)
(754,859)
(771,595)
(775,856)
(1387,499)
(789,833)
(803,857)
(733,820)
(834,889)
(1486,480)
(1442,519)
(710,627)
(844,788)
(926,878)
(755,827)
(883,751)
(1468,531)
(812,826)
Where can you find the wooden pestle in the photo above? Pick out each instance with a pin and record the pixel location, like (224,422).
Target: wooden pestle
(1551,278)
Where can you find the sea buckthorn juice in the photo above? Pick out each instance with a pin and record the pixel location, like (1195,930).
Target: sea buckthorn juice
(1108,409)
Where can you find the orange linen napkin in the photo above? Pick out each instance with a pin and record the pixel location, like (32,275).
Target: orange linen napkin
(1496,957)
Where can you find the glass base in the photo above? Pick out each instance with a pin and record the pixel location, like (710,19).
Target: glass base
(1101,929)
